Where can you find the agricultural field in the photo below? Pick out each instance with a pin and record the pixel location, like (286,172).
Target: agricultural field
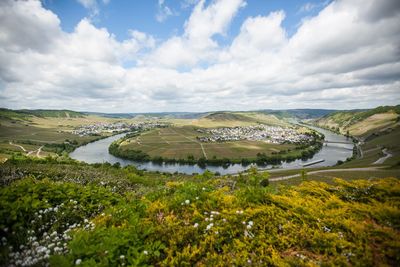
(180,142)
(361,123)
(231,119)
(27,133)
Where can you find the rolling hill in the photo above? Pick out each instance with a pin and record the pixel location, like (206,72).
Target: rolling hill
(361,122)
(26,114)
(232,119)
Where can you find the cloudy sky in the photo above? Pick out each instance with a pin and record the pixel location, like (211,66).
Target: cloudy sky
(199,55)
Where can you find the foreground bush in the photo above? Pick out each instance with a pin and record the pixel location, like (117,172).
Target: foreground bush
(203,223)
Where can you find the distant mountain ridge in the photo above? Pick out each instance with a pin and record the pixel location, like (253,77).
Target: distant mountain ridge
(26,113)
(339,116)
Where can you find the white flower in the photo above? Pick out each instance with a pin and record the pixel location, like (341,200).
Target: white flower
(197,198)
(196,225)
(250,223)
(122,257)
(78,262)
(203,188)
(249,226)
(187,201)
(145,252)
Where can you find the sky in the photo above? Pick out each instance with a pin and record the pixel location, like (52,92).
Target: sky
(199,55)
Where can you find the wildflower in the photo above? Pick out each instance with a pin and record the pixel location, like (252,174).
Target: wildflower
(204,189)
(145,252)
(122,257)
(249,226)
(216,232)
(197,198)
(326,229)
(187,201)
(78,262)
(196,225)
(250,223)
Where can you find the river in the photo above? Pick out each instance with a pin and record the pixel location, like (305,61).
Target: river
(97,152)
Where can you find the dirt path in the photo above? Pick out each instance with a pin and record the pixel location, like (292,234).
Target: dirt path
(18,146)
(382,159)
(38,152)
(204,152)
(195,141)
(281,178)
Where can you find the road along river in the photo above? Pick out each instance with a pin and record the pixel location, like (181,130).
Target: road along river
(331,152)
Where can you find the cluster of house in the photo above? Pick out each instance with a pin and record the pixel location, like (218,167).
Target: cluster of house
(117,127)
(270,134)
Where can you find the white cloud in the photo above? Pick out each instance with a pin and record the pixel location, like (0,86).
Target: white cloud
(164,11)
(196,44)
(91,5)
(345,57)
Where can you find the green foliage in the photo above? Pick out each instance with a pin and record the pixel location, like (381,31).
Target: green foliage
(195,221)
(303,175)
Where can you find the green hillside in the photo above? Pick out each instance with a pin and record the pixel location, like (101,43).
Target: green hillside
(63,213)
(361,123)
(26,114)
(228,116)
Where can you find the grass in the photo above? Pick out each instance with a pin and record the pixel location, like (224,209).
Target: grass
(372,123)
(231,119)
(180,142)
(103,215)
(330,177)
(362,123)
(372,148)
(36,132)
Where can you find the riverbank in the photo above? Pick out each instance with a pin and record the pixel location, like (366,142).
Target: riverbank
(97,152)
(181,145)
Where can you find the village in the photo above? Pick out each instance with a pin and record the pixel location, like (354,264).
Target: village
(118,127)
(269,134)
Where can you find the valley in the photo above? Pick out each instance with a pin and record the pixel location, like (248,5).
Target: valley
(185,190)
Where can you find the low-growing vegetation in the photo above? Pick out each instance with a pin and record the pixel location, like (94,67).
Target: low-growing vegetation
(63,213)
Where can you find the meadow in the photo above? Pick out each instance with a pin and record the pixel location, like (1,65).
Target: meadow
(25,134)
(63,213)
(181,143)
